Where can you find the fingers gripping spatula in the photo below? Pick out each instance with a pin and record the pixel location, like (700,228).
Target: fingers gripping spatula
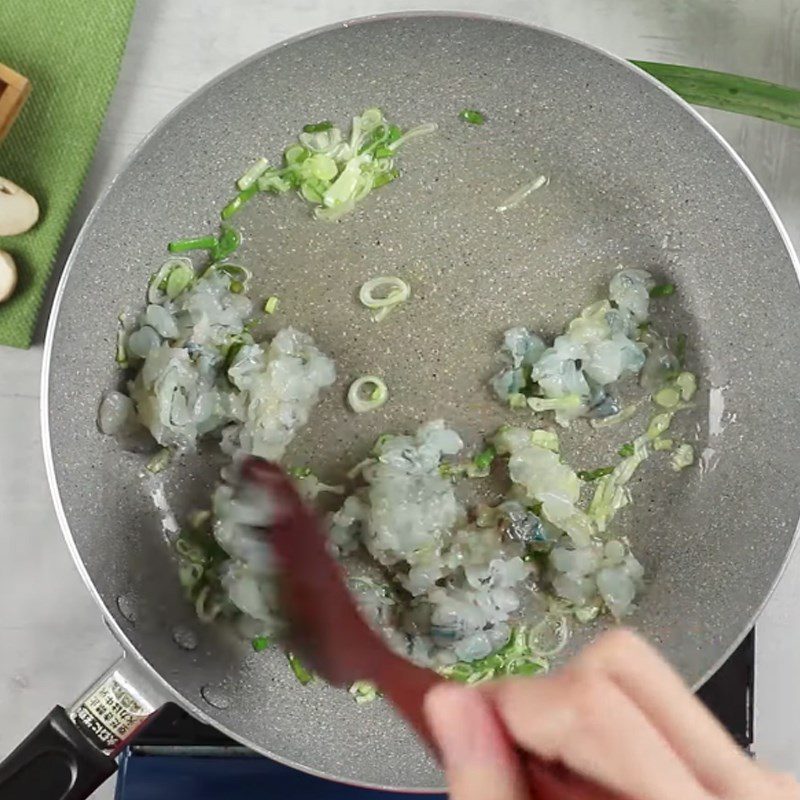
(328,631)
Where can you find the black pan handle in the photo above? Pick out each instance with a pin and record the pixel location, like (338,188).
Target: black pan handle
(71,752)
(55,762)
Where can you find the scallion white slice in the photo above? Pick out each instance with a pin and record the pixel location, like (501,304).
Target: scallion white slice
(175,275)
(517,197)
(367,393)
(252,174)
(682,457)
(382,294)
(419,130)
(159,461)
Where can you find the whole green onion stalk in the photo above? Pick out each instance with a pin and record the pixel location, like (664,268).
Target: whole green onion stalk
(737,93)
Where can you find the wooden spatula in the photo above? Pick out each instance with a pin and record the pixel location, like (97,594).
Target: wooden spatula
(329,633)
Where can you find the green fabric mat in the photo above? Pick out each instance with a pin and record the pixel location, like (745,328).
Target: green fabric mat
(70,51)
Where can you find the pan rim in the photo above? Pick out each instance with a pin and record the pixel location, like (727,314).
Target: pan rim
(117,631)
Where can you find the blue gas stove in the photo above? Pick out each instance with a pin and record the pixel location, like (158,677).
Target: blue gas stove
(178,757)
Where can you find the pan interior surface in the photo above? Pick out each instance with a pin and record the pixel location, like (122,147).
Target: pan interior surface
(635,179)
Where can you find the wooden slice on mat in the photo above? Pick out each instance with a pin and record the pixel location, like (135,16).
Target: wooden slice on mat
(14,90)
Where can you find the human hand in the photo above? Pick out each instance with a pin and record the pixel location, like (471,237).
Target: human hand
(617,714)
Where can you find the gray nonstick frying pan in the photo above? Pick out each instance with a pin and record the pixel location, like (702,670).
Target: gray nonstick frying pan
(636,177)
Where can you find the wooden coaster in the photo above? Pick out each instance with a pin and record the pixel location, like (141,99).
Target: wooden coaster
(14,90)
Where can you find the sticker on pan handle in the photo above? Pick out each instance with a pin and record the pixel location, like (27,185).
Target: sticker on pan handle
(110,712)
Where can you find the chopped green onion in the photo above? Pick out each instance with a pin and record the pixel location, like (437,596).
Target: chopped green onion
(191,552)
(520,194)
(382,294)
(378,394)
(546,439)
(682,457)
(668,397)
(446,469)
(190,574)
(313,190)
(662,443)
(228,243)
(339,195)
(233,351)
(252,174)
(197,243)
(616,419)
(363,692)
(295,154)
(385,177)
(515,658)
(412,133)
(687,383)
(272,182)
(159,461)
(299,472)
(239,201)
(472,116)
(236,273)
(737,93)
(198,519)
(663,290)
(479,467)
(271,305)
(517,400)
(610,495)
(260,643)
(626,450)
(333,173)
(122,336)
(292,178)
(550,636)
(586,614)
(594,474)
(321,168)
(163,285)
(208,604)
(565,403)
(377,138)
(484,459)
(371,118)
(317,127)
(377,448)
(300,672)
(658,425)
(179,279)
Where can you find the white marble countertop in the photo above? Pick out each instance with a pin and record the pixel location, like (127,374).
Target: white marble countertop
(53,642)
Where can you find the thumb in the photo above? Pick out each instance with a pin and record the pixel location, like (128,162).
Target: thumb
(479,760)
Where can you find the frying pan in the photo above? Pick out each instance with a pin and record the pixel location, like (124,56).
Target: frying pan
(636,177)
